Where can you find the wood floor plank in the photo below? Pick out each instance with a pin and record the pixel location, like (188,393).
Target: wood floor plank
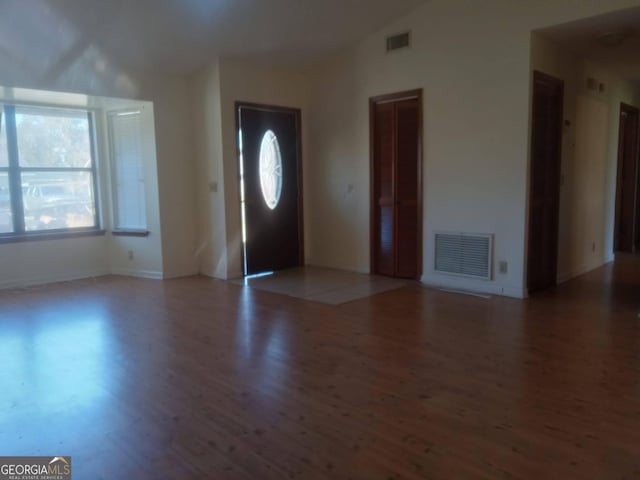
(196,378)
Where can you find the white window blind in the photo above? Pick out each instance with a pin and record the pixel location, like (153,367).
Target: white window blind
(127,164)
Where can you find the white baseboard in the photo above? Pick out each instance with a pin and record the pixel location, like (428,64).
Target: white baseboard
(65,277)
(232,275)
(217,276)
(473,287)
(169,276)
(126,272)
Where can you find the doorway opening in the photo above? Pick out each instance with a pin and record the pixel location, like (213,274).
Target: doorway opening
(544,181)
(270,176)
(627,219)
(396,184)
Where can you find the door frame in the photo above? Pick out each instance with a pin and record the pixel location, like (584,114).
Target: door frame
(390,98)
(556,83)
(297,112)
(625,108)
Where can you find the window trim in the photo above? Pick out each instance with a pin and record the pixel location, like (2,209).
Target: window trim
(15,171)
(57,234)
(129,232)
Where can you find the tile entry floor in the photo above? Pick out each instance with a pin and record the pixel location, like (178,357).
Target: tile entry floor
(324,285)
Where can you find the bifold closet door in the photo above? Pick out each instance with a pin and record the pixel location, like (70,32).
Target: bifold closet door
(396,185)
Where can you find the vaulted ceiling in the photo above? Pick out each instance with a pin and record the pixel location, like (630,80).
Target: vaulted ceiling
(181,36)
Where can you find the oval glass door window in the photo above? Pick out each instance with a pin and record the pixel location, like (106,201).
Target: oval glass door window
(270,169)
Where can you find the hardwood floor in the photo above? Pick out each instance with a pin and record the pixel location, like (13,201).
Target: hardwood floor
(195,378)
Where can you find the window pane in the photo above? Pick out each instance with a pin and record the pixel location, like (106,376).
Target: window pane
(53,138)
(6,220)
(4,155)
(55,200)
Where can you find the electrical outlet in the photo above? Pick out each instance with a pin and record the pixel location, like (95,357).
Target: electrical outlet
(503,267)
(130,254)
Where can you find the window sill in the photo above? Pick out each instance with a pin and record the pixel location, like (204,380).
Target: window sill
(130,233)
(52,235)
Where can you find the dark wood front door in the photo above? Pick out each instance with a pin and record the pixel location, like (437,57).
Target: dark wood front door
(271,192)
(396,184)
(544,181)
(627,226)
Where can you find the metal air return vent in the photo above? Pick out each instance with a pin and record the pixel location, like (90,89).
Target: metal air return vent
(469,255)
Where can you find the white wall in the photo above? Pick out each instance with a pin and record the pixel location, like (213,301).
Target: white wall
(33,263)
(245,82)
(471,58)
(210,185)
(170,249)
(176,173)
(216,91)
(147,251)
(473,61)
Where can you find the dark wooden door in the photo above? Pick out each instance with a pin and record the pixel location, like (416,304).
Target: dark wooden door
(396,185)
(627,231)
(544,181)
(270,187)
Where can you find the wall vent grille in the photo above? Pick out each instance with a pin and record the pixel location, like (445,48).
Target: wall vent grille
(396,42)
(465,254)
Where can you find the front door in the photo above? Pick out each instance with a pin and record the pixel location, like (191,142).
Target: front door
(270,176)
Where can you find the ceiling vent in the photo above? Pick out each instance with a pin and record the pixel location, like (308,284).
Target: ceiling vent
(464,254)
(397,42)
